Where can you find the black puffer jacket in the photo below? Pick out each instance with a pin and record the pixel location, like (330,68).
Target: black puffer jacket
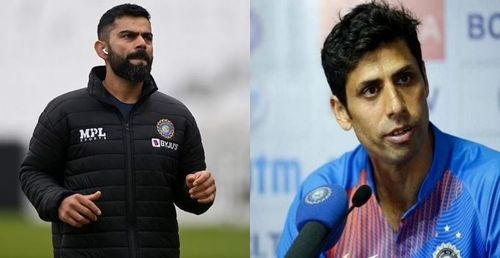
(82,144)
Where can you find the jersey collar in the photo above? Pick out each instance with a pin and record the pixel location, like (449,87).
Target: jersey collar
(439,160)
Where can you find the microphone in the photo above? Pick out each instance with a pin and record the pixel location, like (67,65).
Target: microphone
(318,213)
(321,227)
(360,197)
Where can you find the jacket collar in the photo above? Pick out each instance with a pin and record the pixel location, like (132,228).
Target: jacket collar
(96,89)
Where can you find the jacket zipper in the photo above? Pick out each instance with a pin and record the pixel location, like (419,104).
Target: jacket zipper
(130,179)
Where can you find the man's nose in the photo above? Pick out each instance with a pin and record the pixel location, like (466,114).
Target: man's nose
(394,101)
(140,42)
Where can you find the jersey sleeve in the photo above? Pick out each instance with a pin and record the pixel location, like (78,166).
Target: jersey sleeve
(491,187)
(290,231)
(493,226)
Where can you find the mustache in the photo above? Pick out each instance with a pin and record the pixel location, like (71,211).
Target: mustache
(139,54)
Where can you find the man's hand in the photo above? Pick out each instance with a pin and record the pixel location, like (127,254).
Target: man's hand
(79,210)
(201,186)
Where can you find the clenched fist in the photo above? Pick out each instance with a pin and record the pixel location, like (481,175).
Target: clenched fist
(79,210)
(201,186)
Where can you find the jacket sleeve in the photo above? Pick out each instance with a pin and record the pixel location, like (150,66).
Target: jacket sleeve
(192,160)
(41,173)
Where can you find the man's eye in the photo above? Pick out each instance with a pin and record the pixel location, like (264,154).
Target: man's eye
(369,91)
(404,78)
(129,36)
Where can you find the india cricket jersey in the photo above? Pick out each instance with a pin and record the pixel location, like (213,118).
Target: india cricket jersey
(457,213)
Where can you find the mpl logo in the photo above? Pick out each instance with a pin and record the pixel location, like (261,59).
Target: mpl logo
(92,134)
(159,143)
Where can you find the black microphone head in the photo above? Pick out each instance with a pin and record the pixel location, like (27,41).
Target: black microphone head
(361,195)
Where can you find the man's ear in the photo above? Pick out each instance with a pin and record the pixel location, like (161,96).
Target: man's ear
(341,113)
(100,49)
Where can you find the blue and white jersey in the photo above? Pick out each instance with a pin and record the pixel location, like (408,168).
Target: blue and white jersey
(457,213)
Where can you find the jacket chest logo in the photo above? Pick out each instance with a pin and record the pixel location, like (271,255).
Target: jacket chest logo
(165,128)
(92,134)
(159,143)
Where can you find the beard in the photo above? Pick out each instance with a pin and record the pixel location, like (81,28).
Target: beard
(128,71)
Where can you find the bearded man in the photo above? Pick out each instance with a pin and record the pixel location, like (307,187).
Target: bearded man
(107,163)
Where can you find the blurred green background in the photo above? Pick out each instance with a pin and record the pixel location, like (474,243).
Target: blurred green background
(20,237)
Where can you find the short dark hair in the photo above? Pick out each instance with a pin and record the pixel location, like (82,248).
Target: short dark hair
(362,31)
(109,17)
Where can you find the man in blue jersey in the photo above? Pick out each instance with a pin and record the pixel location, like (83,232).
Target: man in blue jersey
(435,194)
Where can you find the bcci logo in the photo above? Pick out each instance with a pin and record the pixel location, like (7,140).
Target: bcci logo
(446,251)
(165,128)
(318,195)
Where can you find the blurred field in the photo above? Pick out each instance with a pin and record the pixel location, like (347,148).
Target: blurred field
(18,238)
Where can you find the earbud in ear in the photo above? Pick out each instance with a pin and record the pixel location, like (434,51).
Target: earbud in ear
(105,51)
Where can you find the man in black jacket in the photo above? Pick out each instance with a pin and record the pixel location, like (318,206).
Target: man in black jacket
(107,163)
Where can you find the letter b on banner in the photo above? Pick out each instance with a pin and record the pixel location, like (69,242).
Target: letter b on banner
(480,26)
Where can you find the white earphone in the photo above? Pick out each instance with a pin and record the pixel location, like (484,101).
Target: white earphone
(105,51)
